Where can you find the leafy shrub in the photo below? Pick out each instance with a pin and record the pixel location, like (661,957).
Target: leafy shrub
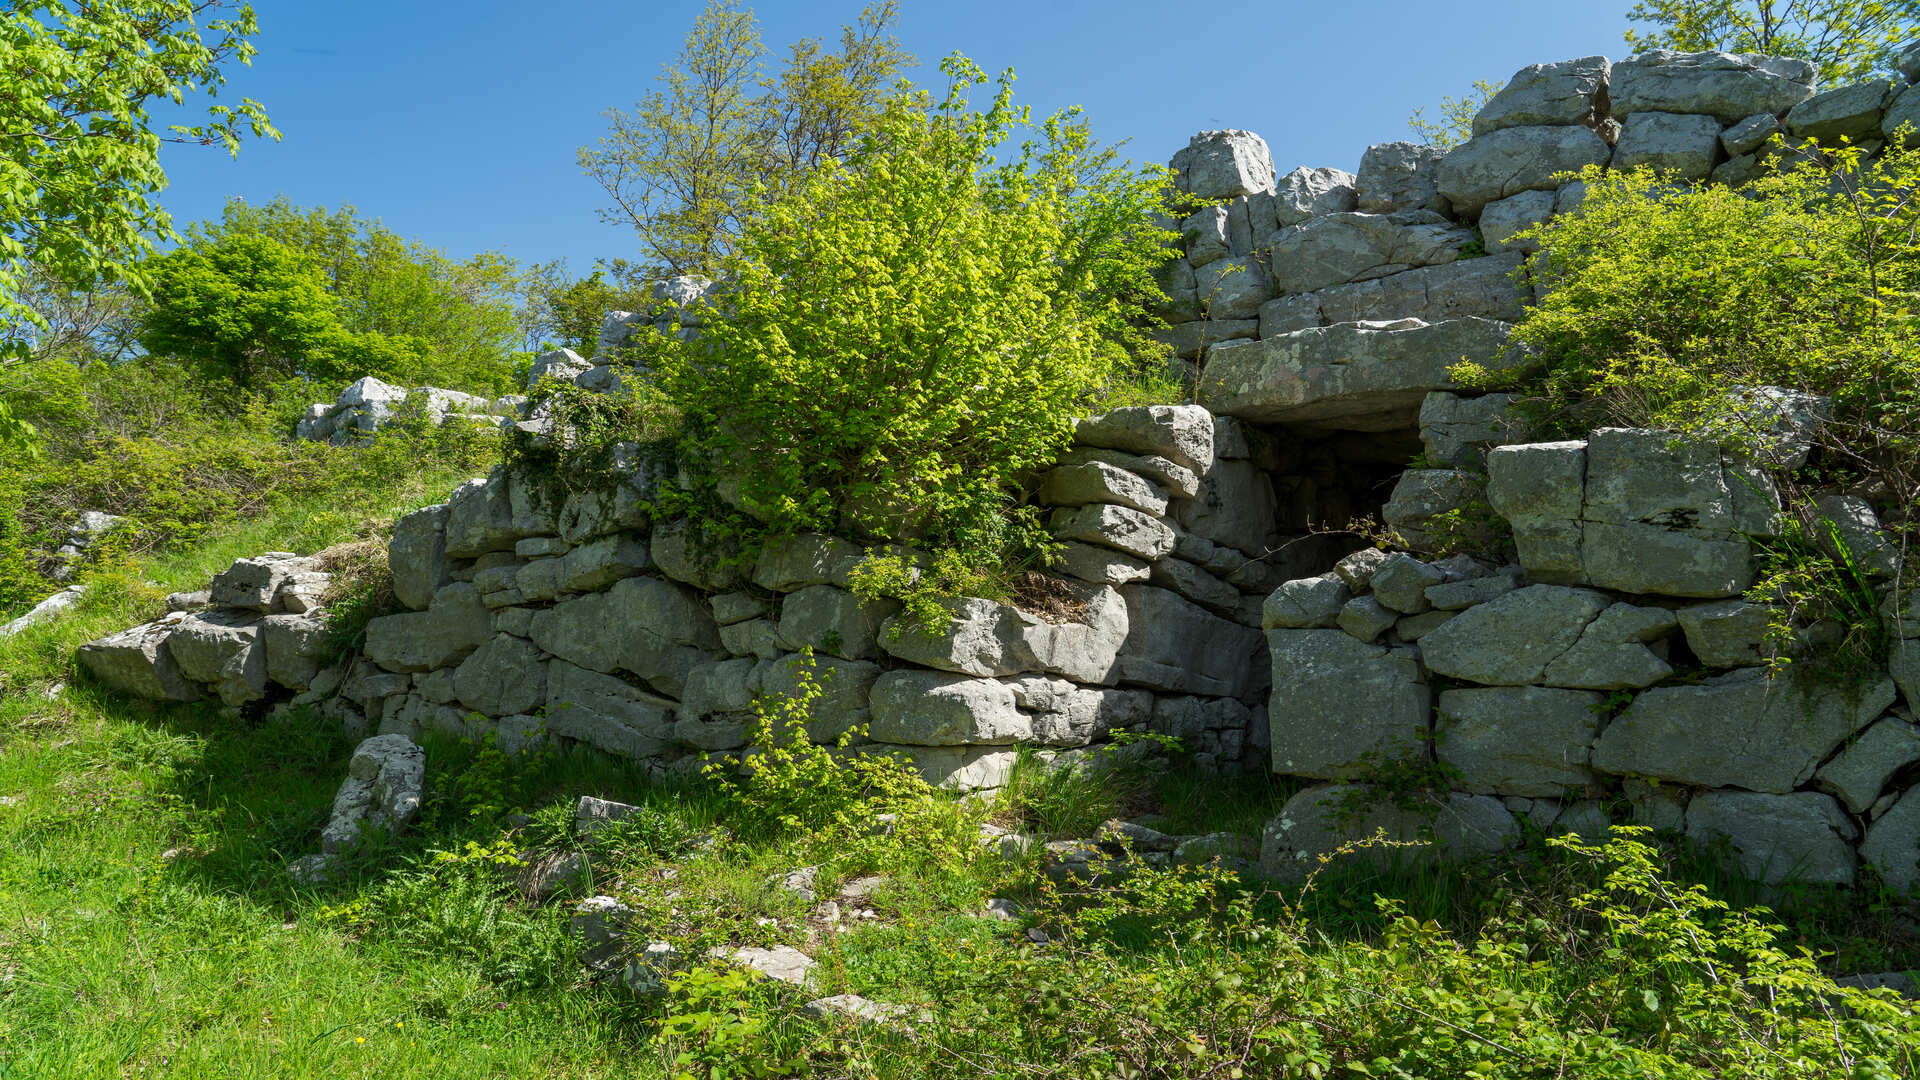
(907,334)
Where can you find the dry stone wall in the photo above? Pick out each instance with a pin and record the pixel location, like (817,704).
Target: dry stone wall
(1211,586)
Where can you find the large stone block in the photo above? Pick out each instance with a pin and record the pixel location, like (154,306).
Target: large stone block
(1483,287)
(295,645)
(1503,219)
(1305,193)
(1398,176)
(1511,160)
(1613,652)
(1740,729)
(221,648)
(1182,434)
(655,629)
(417,556)
(796,562)
(1339,704)
(1688,146)
(507,675)
(1510,640)
(1851,112)
(593,565)
(1231,288)
(1234,508)
(932,708)
(607,713)
(1100,482)
(959,768)
(1727,86)
(136,661)
(1340,248)
(1859,773)
(455,623)
(1518,740)
(1119,527)
(1802,837)
(832,620)
(1359,376)
(1892,846)
(1727,633)
(1175,646)
(846,688)
(1458,431)
(1224,165)
(1306,603)
(1569,92)
(1322,819)
(1428,506)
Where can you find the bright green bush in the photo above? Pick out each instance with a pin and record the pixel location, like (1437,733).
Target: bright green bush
(908,333)
(1662,301)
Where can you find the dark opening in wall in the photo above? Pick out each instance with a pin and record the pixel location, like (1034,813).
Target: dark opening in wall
(1328,488)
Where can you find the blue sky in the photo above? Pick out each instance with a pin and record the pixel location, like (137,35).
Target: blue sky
(456,123)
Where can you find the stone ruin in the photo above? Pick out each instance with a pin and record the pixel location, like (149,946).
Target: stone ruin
(1610,671)
(369,405)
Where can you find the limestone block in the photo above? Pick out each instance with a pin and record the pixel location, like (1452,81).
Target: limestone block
(1196,585)
(1483,287)
(1339,703)
(1100,482)
(1802,837)
(1726,633)
(1231,288)
(1225,164)
(980,768)
(606,713)
(1337,249)
(221,648)
(294,646)
(136,661)
(1401,583)
(1422,507)
(1121,528)
(1502,219)
(932,708)
(1540,488)
(1740,729)
(1569,92)
(1321,819)
(1175,646)
(807,559)
(381,792)
(1687,146)
(586,568)
(733,607)
(1859,773)
(1903,112)
(1214,232)
(1181,433)
(252,584)
(687,558)
(1848,530)
(455,623)
(1518,740)
(1366,618)
(492,515)
(1305,193)
(1509,641)
(1178,480)
(658,630)
(562,364)
(1851,112)
(1360,376)
(1612,652)
(1076,717)
(1723,85)
(1285,314)
(1306,603)
(983,638)
(1358,568)
(846,687)
(1458,431)
(1398,176)
(1892,846)
(831,620)
(1511,160)
(507,675)
(1749,135)
(1460,595)
(1235,508)
(1100,566)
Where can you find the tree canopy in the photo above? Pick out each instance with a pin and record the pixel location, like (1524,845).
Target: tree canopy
(685,162)
(79,153)
(1847,39)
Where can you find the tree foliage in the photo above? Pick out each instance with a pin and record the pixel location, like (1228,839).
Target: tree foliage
(1846,39)
(465,311)
(682,165)
(910,331)
(79,152)
(1455,124)
(252,310)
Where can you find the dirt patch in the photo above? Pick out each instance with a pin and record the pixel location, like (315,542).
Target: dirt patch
(1056,600)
